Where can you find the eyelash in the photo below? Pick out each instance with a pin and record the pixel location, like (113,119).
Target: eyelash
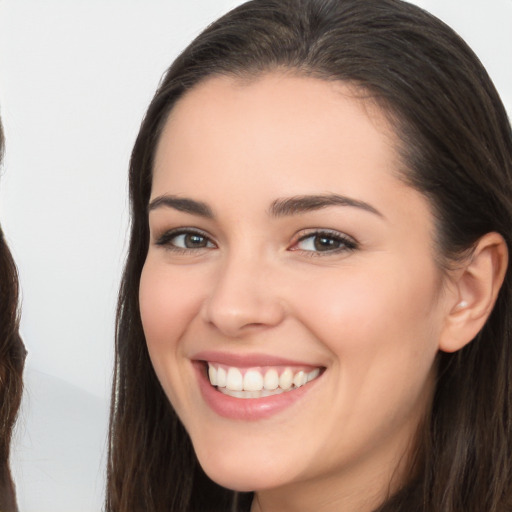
(166,240)
(345,243)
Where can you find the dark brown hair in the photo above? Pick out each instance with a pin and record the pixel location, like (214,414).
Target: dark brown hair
(12,358)
(456,148)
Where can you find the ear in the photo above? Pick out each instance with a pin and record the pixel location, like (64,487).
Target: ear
(474,290)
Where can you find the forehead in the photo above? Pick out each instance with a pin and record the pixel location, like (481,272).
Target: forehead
(241,144)
(288,124)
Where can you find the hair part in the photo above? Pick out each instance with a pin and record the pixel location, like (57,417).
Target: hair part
(456,149)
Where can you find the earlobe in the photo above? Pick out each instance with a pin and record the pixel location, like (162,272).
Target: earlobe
(477,283)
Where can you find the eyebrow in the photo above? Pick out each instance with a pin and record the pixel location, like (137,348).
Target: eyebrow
(181,204)
(301,204)
(279,208)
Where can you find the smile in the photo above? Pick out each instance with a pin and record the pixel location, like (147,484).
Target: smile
(253,387)
(258,382)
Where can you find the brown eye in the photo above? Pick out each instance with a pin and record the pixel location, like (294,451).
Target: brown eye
(191,241)
(325,242)
(185,240)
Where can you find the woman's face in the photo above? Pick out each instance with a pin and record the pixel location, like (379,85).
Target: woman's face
(285,251)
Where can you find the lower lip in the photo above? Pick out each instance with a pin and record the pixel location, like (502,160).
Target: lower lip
(248,409)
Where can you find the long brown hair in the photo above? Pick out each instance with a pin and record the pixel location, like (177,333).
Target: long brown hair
(12,358)
(456,147)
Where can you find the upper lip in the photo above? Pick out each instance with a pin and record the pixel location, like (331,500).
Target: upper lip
(248,360)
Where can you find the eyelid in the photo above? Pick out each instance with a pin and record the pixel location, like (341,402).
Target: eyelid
(348,242)
(165,238)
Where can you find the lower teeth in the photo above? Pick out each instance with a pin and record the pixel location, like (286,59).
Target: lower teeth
(254,394)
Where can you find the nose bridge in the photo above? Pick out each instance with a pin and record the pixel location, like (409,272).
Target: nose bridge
(243,297)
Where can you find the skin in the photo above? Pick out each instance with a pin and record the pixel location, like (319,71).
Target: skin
(371,315)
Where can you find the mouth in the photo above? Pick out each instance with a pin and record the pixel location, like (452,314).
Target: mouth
(259,382)
(254,387)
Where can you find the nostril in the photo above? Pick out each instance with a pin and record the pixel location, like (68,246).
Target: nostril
(247,315)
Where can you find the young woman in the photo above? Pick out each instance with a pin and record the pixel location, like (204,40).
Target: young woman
(12,358)
(315,312)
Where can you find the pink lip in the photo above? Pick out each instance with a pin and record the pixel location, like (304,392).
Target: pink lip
(246,360)
(252,409)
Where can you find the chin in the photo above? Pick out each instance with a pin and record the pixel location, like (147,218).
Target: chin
(243,474)
(240,482)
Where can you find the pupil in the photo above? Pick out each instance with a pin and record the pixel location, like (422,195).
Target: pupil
(192,240)
(323,243)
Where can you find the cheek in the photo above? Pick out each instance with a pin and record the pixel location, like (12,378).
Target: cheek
(381,327)
(383,342)
(168,302)
(387,296)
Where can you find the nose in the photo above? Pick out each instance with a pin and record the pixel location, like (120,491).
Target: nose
(243,298)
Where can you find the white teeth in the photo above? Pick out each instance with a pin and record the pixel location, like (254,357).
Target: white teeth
(253,381)
(286,379)
(251,394)
(236,394)
(212,374)
(311,375)
(300,379)
(253,384)
(221,377)
(271,380)
(234,380)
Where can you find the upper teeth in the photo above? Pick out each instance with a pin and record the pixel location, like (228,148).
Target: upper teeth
(253,379)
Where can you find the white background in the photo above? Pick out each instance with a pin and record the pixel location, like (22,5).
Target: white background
(75,79)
